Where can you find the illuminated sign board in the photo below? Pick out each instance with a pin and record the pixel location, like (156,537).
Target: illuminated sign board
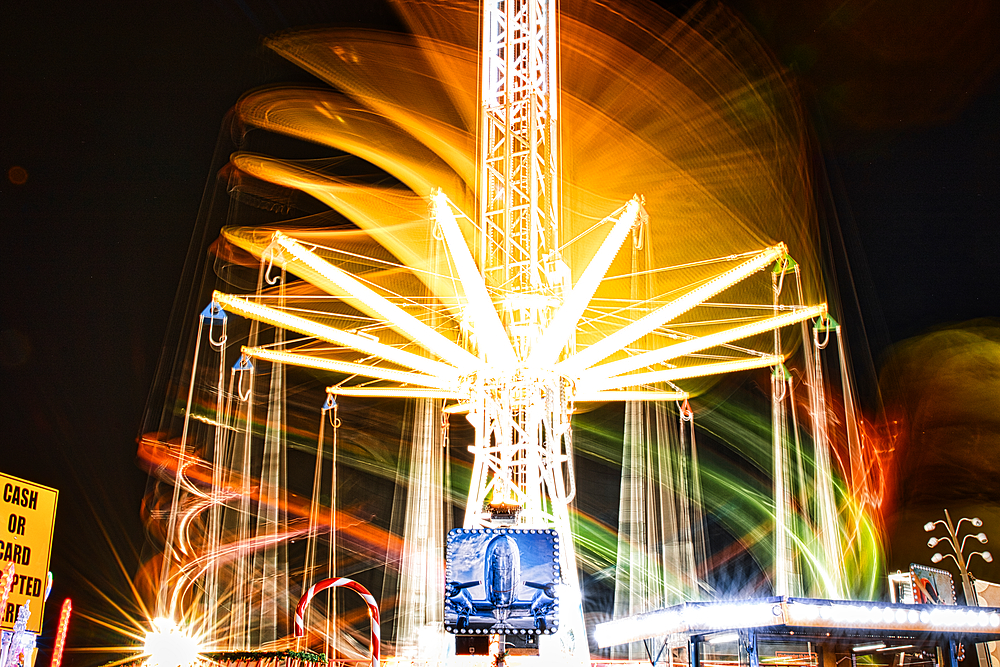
(502,581)
(932,585)
(27,517)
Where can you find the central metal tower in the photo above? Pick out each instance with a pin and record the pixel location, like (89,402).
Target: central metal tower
(519,174)
(519,409)
(523,466)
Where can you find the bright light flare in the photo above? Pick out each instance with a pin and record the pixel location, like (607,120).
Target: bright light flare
(168,645)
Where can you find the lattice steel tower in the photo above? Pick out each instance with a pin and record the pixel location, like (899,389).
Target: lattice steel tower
(523,468)
(520,409)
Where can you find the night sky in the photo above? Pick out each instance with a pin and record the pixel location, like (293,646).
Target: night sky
(111,113)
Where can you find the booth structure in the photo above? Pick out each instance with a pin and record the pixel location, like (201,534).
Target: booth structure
(802,632)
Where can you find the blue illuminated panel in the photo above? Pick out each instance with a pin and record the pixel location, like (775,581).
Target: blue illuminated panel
(502,581)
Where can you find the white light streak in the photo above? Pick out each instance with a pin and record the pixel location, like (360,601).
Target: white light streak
(393,392)
(492,339)
(335,366)
(675,374)
(633,395)
(564,322)
(337,282)
(868,647)
(613,368)
(631,629)
(278,318)
(619,339)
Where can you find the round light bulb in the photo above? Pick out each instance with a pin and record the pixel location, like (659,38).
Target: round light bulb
(977,522)
(937,558)
(932,542)
(929,526)
(987,556)
(982,538)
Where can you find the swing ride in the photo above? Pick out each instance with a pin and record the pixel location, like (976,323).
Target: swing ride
(605,205)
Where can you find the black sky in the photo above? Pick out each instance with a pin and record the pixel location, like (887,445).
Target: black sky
(113,110)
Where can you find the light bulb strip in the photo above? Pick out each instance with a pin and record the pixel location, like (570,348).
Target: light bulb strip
(278,318)
(674,374)
(598,374)
(394,392)
(645,325)
(489,329)
(699,617)
(335,366)
(564,322)
(686,617)
(892,617)
(339,283)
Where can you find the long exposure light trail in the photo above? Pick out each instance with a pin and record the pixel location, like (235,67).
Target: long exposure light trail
(578,250)
(330,334)
(666,313)
(345,367)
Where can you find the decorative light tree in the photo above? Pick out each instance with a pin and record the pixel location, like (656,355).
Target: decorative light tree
(958,549)
(958,555)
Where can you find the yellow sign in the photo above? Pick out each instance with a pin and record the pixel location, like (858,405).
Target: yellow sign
(27,517)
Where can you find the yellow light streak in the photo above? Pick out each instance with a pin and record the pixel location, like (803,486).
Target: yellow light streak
(333,365)
(493,341)
(268,315)
(456,408)
(565,320)
(675,374)
(393,392)
(337,282)
(619,339)
(631,395)
(598,373)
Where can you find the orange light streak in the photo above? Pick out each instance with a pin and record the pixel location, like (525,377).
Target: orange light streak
(6,582)
(361,536)
(57,650)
